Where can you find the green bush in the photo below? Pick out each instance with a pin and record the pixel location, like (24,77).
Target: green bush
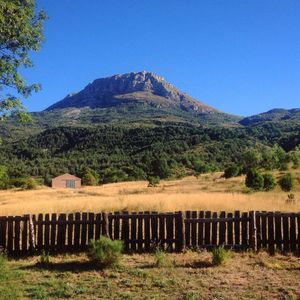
(31,184)
(219,256)
(44,258)
(286,182)
(24,183)
(105,252)
(254,180)
(4,179)
(269,182)
(232,171)
(153,181)
(159,258)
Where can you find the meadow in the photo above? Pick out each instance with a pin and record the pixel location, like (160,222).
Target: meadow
(207,192)
(185,276)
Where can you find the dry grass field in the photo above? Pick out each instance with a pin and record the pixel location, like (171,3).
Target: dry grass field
(186,276)
(208,192)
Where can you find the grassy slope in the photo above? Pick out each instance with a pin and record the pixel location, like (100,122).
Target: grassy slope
(186,276)
(208,192)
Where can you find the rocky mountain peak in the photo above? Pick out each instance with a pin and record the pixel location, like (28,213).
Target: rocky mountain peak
(139,87)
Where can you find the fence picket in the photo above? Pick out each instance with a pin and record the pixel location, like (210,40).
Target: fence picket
(171,231)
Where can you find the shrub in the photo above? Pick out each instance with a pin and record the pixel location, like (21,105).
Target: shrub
(24,183)
(4,180)
(3,259)
(254,180)
(219,256)
(105,251)
(153,181)
(269,182)
(232,171)
(44,258)
(159,258)
(286,182)
(31,184)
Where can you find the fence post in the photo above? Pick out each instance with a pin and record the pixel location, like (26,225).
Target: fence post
(105,224)
(253,231)
(181,231)
(31,234)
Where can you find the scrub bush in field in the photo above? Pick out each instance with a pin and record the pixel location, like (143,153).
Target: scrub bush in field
(232,171)
(220,256)
(286,182)
(269,182)
(153,181)
(254,180)
(106,252)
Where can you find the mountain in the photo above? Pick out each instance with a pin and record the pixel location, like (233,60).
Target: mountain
(130,126)
(277,115)
(142,87)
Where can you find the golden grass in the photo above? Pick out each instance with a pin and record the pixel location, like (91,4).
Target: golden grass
(209,192)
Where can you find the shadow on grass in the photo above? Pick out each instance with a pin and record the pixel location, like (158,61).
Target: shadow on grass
(76,267)
(193,265)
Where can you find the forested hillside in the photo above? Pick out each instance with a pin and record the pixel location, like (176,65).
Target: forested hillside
(116,153)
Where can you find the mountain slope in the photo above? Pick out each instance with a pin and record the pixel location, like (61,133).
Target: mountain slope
(142,87)
(277,115)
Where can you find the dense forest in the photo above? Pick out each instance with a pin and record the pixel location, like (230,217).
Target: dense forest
(118,153)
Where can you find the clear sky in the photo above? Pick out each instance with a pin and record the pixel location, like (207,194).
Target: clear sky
(240,56)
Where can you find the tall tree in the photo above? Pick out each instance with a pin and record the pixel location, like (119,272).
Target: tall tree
(21,31)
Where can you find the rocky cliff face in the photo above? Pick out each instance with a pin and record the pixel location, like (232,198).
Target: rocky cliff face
(142,87)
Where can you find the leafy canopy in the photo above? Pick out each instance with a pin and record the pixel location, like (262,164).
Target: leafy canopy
(21,31)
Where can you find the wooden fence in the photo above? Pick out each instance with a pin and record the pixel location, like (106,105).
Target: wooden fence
(143,231)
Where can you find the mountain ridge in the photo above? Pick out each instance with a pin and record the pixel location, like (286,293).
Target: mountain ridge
(142,87)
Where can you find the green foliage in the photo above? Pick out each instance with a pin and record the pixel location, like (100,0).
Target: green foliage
(4,179)
(123,153)
(26,183)
(219,256)
(232,171)
(21,32)
(44,258)
(3,260)
(286,182)
(153,181)
(160,258)
(89,177)
(269,182)
(251,159)
(106,252)
(113,175)
(295,158)
(254,180)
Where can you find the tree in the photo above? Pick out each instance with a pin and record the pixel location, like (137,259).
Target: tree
(254,180)
(269,182)
(21,31)
(232,171)
(295,158)
(286,182)
(4,180)
(251,159)
(89,177)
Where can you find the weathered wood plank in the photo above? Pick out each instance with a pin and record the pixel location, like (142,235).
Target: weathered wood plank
(200,229)
(237,228)
(271,239)
(207,238)
(147,232)
(214,230)
(222,231)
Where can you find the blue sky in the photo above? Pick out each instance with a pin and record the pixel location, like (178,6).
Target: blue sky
(240,56)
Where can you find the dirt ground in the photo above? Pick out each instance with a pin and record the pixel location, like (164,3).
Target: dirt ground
(189,275)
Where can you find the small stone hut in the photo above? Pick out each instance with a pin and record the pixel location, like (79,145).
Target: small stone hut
(66,181)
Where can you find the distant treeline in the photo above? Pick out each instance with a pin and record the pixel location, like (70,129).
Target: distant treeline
(112,154)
